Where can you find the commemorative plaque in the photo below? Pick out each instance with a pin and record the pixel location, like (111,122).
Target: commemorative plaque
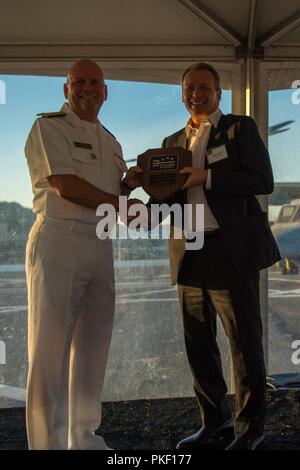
(161,177)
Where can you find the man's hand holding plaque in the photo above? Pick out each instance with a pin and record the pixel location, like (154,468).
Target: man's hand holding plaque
(161,167)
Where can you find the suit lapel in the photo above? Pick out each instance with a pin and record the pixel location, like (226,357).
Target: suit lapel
(215,136)
(216,133)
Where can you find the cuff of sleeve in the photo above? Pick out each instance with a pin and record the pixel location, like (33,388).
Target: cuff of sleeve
(208,181)
(127,186)
(41,181)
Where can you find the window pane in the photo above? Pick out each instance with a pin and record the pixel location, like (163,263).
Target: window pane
(284,278)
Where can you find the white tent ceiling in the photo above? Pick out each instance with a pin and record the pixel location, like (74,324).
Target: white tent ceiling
(139,39)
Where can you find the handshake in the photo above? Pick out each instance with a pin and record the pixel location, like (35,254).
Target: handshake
(129,208)
(161,177)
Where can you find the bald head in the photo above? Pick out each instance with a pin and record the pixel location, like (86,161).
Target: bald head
(82,66)
(85,89)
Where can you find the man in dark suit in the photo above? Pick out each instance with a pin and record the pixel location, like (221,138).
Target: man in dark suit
(230,166)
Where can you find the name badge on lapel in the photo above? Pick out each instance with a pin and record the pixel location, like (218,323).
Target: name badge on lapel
(216,154)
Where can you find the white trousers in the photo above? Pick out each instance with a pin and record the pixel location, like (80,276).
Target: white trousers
(71,301)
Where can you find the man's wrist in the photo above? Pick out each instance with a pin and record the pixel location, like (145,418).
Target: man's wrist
(127,185)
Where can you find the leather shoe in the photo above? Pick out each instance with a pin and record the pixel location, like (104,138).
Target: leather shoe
(247,443)
(205,436)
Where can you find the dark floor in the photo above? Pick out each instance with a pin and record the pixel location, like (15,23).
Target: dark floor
(159,424)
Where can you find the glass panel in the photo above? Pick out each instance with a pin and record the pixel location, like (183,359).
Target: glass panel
(147,352)
(284,278)
(286,214)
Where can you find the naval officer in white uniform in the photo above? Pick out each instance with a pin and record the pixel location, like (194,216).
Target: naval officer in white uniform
(75,164)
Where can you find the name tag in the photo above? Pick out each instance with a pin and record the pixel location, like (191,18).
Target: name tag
(216,154)
(83,145)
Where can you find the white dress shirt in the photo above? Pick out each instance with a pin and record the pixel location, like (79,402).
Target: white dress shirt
(197,143)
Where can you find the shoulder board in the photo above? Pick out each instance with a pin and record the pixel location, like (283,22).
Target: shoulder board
(108,132)
(51,115)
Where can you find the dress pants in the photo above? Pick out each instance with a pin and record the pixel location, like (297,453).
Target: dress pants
(207,285)
(71,300)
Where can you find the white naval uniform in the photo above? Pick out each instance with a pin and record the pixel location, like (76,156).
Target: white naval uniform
(70,278)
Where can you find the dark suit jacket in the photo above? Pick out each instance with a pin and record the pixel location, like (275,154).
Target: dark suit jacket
(247,171)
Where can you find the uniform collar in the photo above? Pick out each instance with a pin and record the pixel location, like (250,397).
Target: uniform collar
(72,118)
(213,118)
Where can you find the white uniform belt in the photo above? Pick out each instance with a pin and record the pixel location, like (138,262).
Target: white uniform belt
(69,225)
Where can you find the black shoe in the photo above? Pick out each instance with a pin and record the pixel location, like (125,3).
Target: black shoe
(247,443)
(208,437)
